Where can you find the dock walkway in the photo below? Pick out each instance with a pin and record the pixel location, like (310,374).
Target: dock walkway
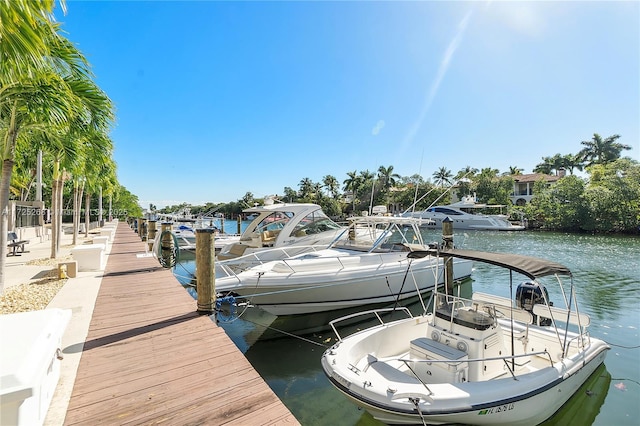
(150,358)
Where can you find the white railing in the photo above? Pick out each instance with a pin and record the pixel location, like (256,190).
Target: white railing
(375,312)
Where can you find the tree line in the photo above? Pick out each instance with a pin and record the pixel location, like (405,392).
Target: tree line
(51,108)
(606,200)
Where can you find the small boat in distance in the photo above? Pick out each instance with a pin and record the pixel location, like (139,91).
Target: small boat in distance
(186,238)
(488,360)
(463,217)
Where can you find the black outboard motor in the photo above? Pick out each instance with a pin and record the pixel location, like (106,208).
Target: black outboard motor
(530,293)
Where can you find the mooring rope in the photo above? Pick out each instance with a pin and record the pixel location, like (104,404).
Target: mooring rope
(304,339)
(169,256)
(415,402)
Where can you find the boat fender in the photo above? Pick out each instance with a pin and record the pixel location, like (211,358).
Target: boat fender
(229,311)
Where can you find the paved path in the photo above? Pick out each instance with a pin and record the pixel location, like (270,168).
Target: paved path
(136,352)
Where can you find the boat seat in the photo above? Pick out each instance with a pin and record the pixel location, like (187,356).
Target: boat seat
(236,250)
(561,314)
(269,237)
(392,374)
(504,306)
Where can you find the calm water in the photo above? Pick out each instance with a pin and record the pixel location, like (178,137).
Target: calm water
(606,270)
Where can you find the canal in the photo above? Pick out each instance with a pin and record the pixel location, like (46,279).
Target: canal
(607,273)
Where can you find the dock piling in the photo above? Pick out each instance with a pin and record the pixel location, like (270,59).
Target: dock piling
(151,233)
(205,271)
(166,245)
(447,240)
(142,228)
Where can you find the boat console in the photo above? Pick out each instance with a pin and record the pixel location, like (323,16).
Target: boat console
(473,329)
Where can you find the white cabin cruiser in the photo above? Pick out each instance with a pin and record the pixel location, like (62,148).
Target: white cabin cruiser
(486,360)
(369,266)
(277,225)
(463,216)
(185,236)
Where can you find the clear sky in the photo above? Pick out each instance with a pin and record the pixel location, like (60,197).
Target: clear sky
(215,99)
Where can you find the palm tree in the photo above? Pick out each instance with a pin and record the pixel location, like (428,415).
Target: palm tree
(87,109)
(467,173)
(317,191)
(546,167)
(29,85)
(514,171)
(550,164)
(64,150)
(489,172)
(93,111)
(602,151)
(572,161)
(332,185)
(387,180)
(24,169)
(442,176)
(352,184)
(25,30)
(290,194)
(306,187)
(95,161)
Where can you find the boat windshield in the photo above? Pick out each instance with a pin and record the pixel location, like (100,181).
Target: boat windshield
(444,210)
(314,223)
(274,222)
(404,234)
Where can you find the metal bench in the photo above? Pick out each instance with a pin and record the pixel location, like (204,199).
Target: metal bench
(14,244)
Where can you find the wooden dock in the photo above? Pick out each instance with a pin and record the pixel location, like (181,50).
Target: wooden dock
(150,358)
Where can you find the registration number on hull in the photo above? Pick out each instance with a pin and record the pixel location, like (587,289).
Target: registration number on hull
(498,409)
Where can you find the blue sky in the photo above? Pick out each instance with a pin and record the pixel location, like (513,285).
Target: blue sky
(215,99)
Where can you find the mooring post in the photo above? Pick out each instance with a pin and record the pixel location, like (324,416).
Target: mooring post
(142,228)
(166,242)
(205,271)
(222,223)
(239,223)
(447,240)
(151,233)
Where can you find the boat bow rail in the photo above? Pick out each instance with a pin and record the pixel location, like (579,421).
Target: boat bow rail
(231,267)
(297,264)
(375,312)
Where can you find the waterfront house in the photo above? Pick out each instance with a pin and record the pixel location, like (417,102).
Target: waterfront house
(523,185)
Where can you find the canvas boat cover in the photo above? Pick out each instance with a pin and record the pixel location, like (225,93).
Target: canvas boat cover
(532,267)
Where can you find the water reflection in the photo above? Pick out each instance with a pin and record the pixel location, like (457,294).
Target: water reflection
(584,406)
(607,278)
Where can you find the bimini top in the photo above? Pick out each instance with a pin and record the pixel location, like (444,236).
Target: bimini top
(532,267)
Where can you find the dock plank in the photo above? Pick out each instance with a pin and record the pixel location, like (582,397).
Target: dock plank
(150,358)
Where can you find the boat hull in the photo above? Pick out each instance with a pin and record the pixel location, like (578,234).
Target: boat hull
(339,285)
(511,411)
(488,224)
(387,394)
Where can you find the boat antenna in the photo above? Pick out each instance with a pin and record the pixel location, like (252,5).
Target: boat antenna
(373,187)
(415,201)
